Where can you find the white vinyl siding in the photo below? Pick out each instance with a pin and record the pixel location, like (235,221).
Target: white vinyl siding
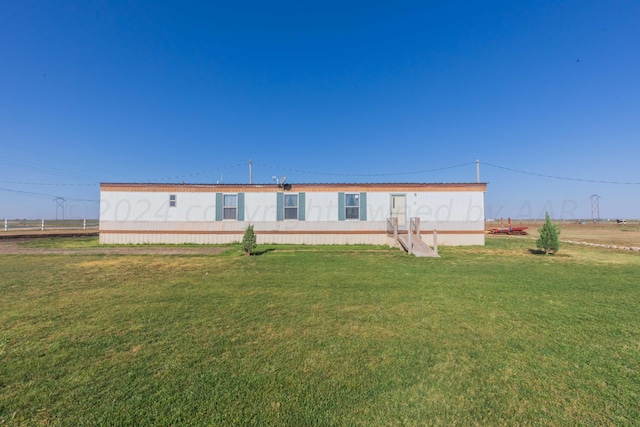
(321,217)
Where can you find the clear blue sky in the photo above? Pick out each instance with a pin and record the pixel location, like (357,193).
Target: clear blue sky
(352,91)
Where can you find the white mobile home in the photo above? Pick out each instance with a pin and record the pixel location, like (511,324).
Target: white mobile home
(291,213)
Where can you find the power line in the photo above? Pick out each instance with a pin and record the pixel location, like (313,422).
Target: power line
(42,168)
(42,153)
(47,196)
(364,174)
(243,164)
(597,181)
(47,183)
(201,173)
(261,164)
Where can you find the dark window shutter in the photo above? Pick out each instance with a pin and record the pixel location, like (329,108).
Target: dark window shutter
(218,206)
(280,206)
(240,206)
(301,206)
(340,206)
(363,206)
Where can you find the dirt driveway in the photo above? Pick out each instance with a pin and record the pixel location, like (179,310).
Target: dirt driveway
(16,247)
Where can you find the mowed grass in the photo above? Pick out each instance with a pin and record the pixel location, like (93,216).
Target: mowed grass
(359,335)
(85,242)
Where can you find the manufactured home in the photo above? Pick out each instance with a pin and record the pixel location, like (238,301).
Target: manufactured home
(292,213)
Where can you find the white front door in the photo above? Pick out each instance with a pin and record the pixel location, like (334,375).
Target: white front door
(399,209)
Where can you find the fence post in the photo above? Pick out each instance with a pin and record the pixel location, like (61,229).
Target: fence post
(435,241)
(42,228)
(6,225)
(84,224)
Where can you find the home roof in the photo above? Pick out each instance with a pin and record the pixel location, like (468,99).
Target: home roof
(400,186)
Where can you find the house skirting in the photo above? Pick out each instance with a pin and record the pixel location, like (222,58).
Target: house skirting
(307,237)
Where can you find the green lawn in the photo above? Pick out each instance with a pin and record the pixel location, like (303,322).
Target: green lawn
(357,335)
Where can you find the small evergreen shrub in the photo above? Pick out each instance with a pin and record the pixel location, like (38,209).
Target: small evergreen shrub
(249,241)
(549,240)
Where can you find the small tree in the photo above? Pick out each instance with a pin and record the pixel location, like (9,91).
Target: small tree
(248,240)
(549,237)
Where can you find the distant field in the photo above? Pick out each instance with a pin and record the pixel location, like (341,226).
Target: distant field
(602,232)
(309,335)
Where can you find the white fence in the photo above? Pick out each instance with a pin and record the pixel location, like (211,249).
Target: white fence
(49,224)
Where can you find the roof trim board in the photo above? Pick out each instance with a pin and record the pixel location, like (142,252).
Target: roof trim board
(265,188)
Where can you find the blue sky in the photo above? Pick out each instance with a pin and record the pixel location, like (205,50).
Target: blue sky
(322,92)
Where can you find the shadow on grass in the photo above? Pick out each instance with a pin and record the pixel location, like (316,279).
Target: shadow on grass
(540,252)
(262,251)
(553,254)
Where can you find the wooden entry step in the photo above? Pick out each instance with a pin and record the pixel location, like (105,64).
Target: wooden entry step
(417,247)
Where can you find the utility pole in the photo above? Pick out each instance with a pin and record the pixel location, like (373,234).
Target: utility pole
(595,207)
(59,206)
(477,170)
(250,171)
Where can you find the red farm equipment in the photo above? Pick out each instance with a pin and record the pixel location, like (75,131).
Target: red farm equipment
(509,230)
